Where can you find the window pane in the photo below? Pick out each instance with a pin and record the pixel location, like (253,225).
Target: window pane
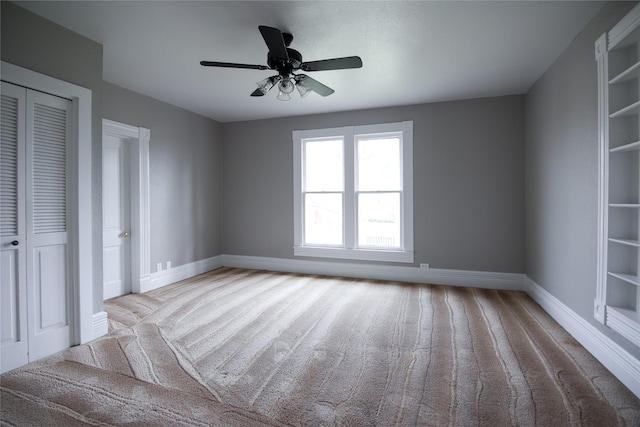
(378,164)
(323,219)
(379,220)
(323,165)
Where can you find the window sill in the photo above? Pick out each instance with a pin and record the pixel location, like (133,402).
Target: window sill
(357,254)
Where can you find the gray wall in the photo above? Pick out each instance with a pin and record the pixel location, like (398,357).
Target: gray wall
(185,149)
(562,171)
(468,182)
(32,42)
(185,167)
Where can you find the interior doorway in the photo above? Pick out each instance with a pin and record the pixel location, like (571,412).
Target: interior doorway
(116,216)
(125,208)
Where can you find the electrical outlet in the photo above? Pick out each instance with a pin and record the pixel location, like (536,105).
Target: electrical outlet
(424,265)
(168,265)
(159,266)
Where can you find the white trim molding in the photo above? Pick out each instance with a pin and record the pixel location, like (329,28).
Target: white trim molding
(100,324)
(435,276)
(81,196)
(166,277)
(630,22)
(623,322)
(138,139)
(351,137)
(615,358)
(354,254)
(599,306)
(144,206)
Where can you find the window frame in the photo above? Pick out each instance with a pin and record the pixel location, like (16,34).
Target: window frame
(350,248)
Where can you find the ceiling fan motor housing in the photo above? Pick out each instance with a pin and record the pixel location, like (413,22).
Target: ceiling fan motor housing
(285,67)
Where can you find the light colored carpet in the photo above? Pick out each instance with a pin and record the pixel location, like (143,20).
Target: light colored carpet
(245,347)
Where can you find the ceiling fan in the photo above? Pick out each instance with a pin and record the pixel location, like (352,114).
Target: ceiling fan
(286,61)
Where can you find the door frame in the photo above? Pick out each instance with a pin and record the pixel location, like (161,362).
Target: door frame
(80,195)
(138,139)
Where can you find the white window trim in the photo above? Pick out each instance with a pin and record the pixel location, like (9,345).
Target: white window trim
(350,251)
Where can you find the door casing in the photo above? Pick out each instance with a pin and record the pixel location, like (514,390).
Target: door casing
(138,139)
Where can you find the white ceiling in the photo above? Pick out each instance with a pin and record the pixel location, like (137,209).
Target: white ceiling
(413,52)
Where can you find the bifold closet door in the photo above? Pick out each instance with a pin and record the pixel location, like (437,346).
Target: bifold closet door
(37,292)
(48,282)
(14,350)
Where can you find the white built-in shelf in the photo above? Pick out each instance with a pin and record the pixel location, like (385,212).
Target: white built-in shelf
(634,146)
(626,322)
(618,266)
(627,75)
(626,313)
(627,242)
(629,278)
(629,110)
(624,205)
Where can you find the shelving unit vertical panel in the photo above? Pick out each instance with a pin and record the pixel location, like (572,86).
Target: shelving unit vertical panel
(599,311)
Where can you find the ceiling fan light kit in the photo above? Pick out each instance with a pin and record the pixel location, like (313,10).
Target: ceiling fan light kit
(303,89)
(285,61)
(286,87)
(265,85)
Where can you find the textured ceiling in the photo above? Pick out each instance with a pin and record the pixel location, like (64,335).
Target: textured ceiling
(413,52)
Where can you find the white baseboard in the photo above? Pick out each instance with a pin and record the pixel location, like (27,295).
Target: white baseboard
(435,276)
(615,358)
(145,284)
(166,277)
(100,324)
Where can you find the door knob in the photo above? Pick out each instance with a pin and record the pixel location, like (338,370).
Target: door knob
(125,234)
(15,243)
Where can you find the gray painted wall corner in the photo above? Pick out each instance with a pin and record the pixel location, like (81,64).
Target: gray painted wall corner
(185,154)
(561,152)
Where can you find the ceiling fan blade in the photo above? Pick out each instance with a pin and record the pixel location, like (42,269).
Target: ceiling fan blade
(333,64)
(257,92)
(315,85)
(275,42)
(232,65)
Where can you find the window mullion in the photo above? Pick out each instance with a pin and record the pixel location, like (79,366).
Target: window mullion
(350,217)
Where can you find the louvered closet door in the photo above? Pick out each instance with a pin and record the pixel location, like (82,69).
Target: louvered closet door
(13,282)
(35,297)
(48,282)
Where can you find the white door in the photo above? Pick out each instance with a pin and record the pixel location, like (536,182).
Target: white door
(36,287)
(48,283)
(116,216)
(13,274)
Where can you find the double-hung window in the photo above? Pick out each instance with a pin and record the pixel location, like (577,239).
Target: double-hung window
(353,192)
